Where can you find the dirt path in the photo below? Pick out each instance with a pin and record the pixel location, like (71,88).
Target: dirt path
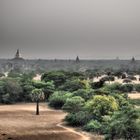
(19,122)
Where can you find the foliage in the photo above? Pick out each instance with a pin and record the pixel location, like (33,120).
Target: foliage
(39,84)
(73,86)
(26,94)
(49,89)
(101,105)
(37,94)
(135,102)
(84,93)
(121,100)
(108,78)
(78,119)
(14,74)
(10,90)
(97,85)
(137,87)
(58,77)
(115,87)
(127,88)
(74,104)
(124,125)
(58,99)
(93,126)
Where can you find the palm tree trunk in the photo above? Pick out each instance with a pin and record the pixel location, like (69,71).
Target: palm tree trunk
(37,107)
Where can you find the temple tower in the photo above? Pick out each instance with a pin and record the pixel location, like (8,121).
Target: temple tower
(77,59)
(17,55)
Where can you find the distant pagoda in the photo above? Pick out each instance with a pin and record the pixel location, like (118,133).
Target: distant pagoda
(18,55)
(133,60)
(77,59)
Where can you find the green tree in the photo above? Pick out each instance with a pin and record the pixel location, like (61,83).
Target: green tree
(84,93)
(58,99)
(58,77)
(73,86)
(124,125)
(12,89)
(101,105)
(37,95)
(74,104)
(49,89)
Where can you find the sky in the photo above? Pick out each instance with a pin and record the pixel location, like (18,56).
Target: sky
(91,29)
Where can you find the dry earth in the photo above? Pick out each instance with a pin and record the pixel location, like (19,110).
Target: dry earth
(19,122)
(134,95)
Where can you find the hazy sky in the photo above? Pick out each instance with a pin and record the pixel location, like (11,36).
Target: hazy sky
(67,28)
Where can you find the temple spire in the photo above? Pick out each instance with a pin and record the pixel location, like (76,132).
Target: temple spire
(77,59)
(18,55)
(133,60)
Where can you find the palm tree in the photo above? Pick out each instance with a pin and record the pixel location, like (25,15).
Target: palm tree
(37,95)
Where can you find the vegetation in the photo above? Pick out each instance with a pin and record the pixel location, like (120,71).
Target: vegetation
(37,95)
(98,107)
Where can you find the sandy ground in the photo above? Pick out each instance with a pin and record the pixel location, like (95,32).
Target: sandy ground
(19,122)
(134,95)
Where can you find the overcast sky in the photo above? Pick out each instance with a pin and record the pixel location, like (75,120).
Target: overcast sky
(67,28)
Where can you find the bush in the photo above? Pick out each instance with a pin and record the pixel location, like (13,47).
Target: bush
(78,119)
(115,87)
(58,99)
(85,94)
(135,102)
(101,105)
(74,104)
(58,77)
(6,99)
(121,100)
(73,86)
(93,126)
(11,90)
(137,87)
(97,85)
(127,88)
(108,78)
(124,125)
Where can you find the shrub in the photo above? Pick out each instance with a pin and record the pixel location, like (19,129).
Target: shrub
(108,78)
(115,87)
(127,88)
(101,91)
(85,94)
(58,77)
(93,126)
(135,102)
(58,99)
(74,104)
(101,105)
(137,87)
(73,86)
(124,125)
(78,119)
(97,85)
(6,99)
(121,100)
